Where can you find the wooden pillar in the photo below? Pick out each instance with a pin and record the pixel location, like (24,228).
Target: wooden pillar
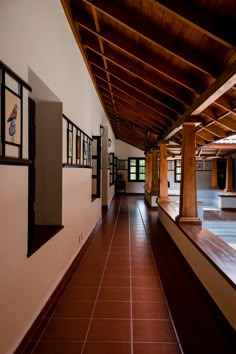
(149,172)
(146,171)
(214,182)
(163,181)
(229,175)
(188,189)
(155,182)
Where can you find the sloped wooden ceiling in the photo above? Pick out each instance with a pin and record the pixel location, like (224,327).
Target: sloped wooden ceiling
(158,64)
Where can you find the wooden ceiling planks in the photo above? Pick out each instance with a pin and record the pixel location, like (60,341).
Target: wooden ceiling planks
(152,62)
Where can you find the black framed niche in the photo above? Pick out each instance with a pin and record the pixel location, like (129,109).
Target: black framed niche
(45,172)
(14,119)
(78,147)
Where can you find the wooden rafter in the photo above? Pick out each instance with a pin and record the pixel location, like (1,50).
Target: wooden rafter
(213,26)
(218,88)
(165,92)
(138,52)
(153,34)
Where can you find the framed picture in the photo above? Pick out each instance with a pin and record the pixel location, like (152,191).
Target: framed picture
(208,165)
(78,147)
(170,164)
(12,118)
(121,164)
(199,165)
(70,143)
(85,148)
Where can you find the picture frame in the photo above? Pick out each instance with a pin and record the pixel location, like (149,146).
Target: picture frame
(170,164)
(199,165)
(85,150)
(208,165)
(121,164)
(70,143)
(13,118)
(78,147)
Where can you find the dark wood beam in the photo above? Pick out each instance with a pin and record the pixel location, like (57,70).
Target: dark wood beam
(118,120)
(224,82)
(155,124)
(220,146)
(205,135)
(130,116)
(154,34)
(138,97)
(220,133)
(139,52)
(163,91)
(214,26)
(151,118)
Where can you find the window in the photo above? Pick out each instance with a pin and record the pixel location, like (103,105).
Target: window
(136,167)
(177,171)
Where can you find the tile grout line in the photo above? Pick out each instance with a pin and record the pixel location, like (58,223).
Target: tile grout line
(171,319)
(50,318)
(131,292)
(100,284)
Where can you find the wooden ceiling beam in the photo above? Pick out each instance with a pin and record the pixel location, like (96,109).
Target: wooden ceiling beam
(157,124)
(220,146)
(220,133)
(224,82)
(139,52)
(130,116)
(223,120)
(154,34)
(154,123)
(119,120)
(164,92)
(143,114)
(205,135)
(142,110)
(200,141)
(140,97)
(207,22)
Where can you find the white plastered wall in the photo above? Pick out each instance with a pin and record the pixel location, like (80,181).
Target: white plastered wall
(35,34)
(123,151)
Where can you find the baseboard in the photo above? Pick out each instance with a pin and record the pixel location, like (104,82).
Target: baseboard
(52,301)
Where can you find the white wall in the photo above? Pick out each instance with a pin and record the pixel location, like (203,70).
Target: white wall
(203,180)
(35,34)
(123,151)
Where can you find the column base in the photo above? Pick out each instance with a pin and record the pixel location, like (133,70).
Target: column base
(188,220)
(229,190)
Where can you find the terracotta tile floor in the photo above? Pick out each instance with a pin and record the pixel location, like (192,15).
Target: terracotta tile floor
(114,304)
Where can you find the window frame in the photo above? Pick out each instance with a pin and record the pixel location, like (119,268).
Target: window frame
(137,173)
(177,165)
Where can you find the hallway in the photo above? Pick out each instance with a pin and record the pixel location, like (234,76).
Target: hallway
(114,303)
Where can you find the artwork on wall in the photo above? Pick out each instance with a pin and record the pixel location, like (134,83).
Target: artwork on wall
(85,148)
(199,165)
(70,143)
(122,164)
(208,165)
(12,118)
(12,135)
(170,165)
(78,147)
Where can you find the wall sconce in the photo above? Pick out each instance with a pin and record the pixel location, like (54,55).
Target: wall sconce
(109,142)
(102,129)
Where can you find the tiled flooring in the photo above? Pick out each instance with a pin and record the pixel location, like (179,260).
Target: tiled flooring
(114,303)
